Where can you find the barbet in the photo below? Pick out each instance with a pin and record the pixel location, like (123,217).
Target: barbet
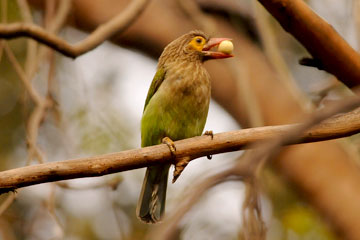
(176,107)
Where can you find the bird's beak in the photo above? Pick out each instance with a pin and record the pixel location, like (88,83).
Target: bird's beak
(213,42)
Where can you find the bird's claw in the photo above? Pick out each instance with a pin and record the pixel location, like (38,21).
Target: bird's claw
(170,144)
(180,166)
(211,134)
(181,163)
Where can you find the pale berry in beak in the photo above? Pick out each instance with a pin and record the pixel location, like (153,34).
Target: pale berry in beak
(222,52)
(226,47)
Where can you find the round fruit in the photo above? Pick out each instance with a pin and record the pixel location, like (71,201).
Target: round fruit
(226,47)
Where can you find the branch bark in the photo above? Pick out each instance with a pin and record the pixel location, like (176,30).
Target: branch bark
(318,37)
(116,25)
(335,127)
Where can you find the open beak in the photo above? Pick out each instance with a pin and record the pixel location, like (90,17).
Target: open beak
(213,42)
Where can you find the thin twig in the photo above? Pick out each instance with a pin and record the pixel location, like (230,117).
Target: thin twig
(60,17)
(22,75)
(31,44)
(25,11)
(239,70)
(116,25)
(272,51)
(51,207)
(8,201)
(168,228)
(193,10)
(189,198)
(49,13)
(53,27)
(253,225)
(37,115)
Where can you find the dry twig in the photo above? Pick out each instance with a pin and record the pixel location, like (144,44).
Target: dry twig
(7,202)
(168,228)
(41,103)
(253,224)
(116,25)
(272,51)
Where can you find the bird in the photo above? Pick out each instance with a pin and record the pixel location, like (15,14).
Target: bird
(176,107)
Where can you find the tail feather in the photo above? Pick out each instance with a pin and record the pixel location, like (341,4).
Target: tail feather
(151,203)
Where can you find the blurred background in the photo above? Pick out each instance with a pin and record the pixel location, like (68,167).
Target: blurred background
(55,108)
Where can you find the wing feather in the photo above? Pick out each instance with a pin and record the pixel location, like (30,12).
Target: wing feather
(155,84)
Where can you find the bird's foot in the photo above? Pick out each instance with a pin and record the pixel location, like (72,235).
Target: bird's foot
(170,144)
(211,134)
(181,163)
(180,166)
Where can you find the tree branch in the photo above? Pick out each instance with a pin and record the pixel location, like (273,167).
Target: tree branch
(116,25)
(247,168)
(329,49)
(335,127)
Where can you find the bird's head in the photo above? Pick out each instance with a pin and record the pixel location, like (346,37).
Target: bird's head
(193,46)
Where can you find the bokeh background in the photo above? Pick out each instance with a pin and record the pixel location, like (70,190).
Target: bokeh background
(95,104)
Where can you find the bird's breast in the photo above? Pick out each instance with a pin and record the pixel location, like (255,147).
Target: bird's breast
(180,106)
(189,83)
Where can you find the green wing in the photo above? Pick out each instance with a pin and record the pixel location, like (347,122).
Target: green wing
(155,84)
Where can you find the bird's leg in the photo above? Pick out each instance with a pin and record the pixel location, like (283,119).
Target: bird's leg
(180,166)
(211,134)
(181,163)
(170,144)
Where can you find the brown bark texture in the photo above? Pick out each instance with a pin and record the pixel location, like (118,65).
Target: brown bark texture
(191,148)
(321,40)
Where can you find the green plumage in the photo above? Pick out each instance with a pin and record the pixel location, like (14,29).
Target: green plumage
(176,107)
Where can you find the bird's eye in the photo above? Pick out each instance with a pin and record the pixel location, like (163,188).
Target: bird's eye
(197,43)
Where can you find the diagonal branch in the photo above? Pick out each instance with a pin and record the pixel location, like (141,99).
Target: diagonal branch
(325,45)
(116,25)
(247,168)
(335,127)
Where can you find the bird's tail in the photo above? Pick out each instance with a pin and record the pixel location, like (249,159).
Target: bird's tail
(151,203)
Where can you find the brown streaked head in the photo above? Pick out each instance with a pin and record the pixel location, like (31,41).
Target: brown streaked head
(193,46)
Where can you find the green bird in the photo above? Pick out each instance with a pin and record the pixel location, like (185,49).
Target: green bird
(176,107)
